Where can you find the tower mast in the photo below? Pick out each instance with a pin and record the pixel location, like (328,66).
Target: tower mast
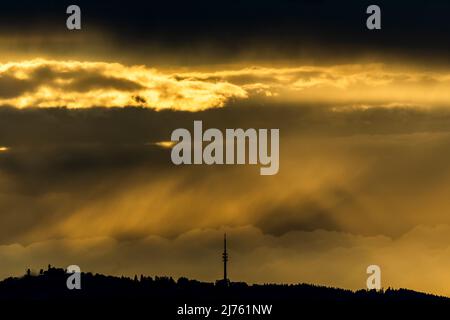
(225,258)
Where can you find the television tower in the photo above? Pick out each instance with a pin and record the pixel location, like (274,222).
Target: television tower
(225,258)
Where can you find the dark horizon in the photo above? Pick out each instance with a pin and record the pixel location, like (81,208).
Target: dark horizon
(170,299)
(32,281)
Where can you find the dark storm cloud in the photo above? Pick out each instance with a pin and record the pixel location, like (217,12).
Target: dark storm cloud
(226,30)
(137,126)
(90,153)
(305,216)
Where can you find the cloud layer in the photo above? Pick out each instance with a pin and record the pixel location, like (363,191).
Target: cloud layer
(74,84)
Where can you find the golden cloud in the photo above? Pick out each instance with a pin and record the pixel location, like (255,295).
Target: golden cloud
(75,84)
(357,85)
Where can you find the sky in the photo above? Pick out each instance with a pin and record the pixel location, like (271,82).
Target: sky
(364,124)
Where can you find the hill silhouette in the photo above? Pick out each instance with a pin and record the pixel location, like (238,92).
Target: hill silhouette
(163,296)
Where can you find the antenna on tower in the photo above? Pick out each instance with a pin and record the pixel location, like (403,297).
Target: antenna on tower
(225,258)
